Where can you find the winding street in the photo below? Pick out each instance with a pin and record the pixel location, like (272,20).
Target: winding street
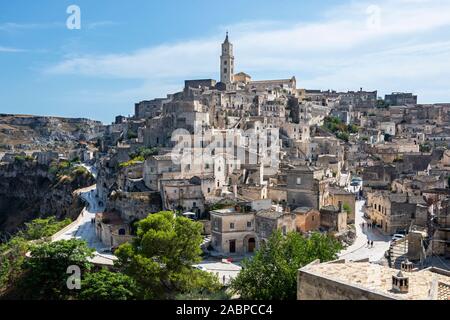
(84,229)
(359,249)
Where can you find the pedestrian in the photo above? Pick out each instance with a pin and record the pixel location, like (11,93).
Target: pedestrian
(368,243)
(224,278)
(371,243)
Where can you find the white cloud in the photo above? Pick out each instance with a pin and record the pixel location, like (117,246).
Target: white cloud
(10,50)
(408,48)
(14,27)
(100,24)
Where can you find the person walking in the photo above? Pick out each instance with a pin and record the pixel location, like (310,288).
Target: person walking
(371,243)
(368,243)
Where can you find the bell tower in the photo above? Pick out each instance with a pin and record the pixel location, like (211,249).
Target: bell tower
(227,62)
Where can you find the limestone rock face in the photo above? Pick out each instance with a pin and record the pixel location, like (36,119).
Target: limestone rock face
(29,190)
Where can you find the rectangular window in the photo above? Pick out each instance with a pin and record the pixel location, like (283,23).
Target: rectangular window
(299,180)
(231,225)
(225,70)
(249,224)
(225,62)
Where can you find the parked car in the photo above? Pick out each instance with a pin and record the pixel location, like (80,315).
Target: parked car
(200,267)
(397,236)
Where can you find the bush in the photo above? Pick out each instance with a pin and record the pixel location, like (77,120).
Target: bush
(41,228)
(132,162)
(144,152)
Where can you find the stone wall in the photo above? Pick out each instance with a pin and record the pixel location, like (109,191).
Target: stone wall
(134,205)
(312,287)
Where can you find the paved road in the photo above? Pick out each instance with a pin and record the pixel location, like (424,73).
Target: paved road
(360,250)
(85,230)
(221,269)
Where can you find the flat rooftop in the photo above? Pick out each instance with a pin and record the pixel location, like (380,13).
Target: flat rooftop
(378,279)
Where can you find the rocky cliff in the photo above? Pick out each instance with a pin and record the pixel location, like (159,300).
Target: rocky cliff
(28,132)
(29,190)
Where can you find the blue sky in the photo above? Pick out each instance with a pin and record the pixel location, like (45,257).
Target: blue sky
(143,49)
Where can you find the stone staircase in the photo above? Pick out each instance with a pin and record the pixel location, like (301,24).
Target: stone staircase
(398,253)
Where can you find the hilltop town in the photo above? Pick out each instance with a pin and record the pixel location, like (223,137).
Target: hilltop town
(247,158)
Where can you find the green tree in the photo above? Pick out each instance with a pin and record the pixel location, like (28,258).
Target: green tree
(131,134)
(41,228)
(12,257)
(272,273)
(353,128)
(12,252)
(347,208)
(107,285)
(161,256)
(343,136)
(144,152)
(45,271)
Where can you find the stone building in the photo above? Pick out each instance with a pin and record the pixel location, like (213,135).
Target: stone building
(158,167)
(268,221)
(307,219)
(333,218)
(242,77)
(184,195)
(46,157)
(149,109)
(133,206)
(111,229)
(400,98)
(392,212)
(232,230)
(341,280)
(347,199)
(306,187)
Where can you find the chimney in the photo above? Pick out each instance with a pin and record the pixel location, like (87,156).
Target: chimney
(400,283)
(407,266)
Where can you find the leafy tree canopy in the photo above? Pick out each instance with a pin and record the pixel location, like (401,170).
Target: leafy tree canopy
(107,285)
(45,271)
(160,258)
(272,273)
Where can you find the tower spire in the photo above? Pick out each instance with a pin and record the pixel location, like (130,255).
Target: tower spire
(227,62)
